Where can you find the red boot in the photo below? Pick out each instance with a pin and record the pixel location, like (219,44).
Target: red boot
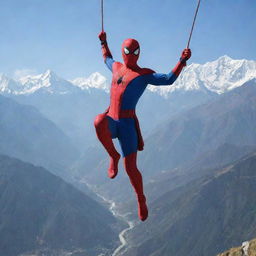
(142,208)
(104,136)
(137,183)
(113,166)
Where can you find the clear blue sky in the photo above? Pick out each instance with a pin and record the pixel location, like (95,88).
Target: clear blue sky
(62,34)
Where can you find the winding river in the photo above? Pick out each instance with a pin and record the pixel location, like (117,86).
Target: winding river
(122,248)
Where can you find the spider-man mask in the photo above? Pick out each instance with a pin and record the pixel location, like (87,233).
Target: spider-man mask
(130,52)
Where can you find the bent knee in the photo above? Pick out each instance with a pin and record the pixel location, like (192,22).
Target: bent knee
(100,120)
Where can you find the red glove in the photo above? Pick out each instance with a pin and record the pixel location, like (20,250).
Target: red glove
(186,54)
(104,46)
(103,37)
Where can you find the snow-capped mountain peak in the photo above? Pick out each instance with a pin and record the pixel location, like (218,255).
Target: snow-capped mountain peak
(225,74)
(9,86)
(95,80)
(40,80)
(49,75)
(219,76)
(47,82)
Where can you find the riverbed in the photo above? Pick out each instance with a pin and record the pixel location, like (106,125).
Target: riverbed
(122,248)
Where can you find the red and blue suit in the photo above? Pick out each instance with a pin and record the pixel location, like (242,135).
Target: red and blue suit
(129,81)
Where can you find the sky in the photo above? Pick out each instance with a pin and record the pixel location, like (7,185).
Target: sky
(62,35)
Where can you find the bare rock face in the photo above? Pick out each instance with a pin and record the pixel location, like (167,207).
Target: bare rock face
(248,248)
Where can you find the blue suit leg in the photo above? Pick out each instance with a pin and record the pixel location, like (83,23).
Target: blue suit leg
(127,136)
(112,125)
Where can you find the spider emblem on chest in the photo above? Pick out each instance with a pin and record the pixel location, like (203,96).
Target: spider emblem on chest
(120,80)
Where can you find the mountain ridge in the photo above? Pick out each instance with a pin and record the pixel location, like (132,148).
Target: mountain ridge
(28,135)
(219,76)
(210,214)
(40,211)
(204,128)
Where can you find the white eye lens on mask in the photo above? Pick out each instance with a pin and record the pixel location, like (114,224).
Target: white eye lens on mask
(126,51)
(137,51)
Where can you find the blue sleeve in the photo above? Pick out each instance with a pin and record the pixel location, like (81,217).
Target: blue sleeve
(161,79)
(109,62)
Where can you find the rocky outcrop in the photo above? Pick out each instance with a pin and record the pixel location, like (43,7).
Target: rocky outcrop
(248,248)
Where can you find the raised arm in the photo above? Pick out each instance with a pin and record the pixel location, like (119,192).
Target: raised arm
(168,79)
(107,56)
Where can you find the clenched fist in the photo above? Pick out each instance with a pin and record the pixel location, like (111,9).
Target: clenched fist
(102,36)
(186,54)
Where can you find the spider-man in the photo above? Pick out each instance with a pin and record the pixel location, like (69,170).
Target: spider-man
(119,121)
